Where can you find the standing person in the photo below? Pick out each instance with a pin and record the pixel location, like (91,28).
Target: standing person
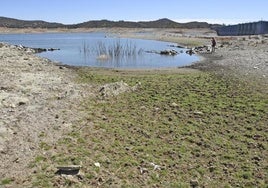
(213,44)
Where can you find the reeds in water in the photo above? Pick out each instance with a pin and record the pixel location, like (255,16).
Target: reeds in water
(115,50)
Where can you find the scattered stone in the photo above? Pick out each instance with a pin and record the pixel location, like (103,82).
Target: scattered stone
(156,109)
(194,183)
(33,50)
(143,107)
(256,158)
(169,52)
(104,118)
(52,49)
(143,170)
(68,170)
(174,104)
(198,113)
(164,52)
(22,103)
(190,52)
(156,167)
(176,46)
(97,165)
(127,148)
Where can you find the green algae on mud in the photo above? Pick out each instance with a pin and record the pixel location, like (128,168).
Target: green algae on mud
(178,128)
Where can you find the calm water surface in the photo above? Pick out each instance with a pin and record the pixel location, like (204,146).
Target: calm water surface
(84,49)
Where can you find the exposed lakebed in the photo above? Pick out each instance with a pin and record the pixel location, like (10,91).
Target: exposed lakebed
(103,50)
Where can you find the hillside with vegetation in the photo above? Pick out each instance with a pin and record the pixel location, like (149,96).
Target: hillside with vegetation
(161,23)
(15,23)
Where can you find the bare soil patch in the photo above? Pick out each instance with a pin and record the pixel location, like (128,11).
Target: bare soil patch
(39,102)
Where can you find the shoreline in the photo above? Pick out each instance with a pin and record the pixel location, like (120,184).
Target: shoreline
(227,47)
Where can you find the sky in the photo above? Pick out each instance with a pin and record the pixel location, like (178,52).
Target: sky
(78,11)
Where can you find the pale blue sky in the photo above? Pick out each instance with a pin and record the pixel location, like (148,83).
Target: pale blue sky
(77,11)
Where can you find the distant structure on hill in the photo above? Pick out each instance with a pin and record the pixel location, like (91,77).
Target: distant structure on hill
(254,28)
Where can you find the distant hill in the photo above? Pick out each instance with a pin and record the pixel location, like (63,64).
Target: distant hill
(15,23)
(105,23)
(161,23)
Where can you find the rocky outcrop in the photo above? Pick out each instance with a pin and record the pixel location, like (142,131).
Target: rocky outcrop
(29,49)
(164,52)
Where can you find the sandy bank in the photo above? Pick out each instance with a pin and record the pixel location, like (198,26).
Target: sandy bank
(39,102)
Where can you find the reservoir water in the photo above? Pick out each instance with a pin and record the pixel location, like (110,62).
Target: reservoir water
(102,50)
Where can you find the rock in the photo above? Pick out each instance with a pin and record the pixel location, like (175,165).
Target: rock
(256,158)
(190,52)
(164,52)
(68,170)
(174,104)
(97,165)
(22,103)
(156,167)
(176,46)
(169,52)
(53,49)
(143,170)
(39,50)
(198,113)
(127,148)
(104,118)
(156,109)
(194,183)
(143,107)
(34,50)
(12,106)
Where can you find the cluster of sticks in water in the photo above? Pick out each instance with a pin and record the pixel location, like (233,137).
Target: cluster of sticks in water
(116,49)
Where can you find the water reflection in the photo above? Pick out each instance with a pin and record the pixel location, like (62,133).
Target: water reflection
(98,50)
(116,51)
